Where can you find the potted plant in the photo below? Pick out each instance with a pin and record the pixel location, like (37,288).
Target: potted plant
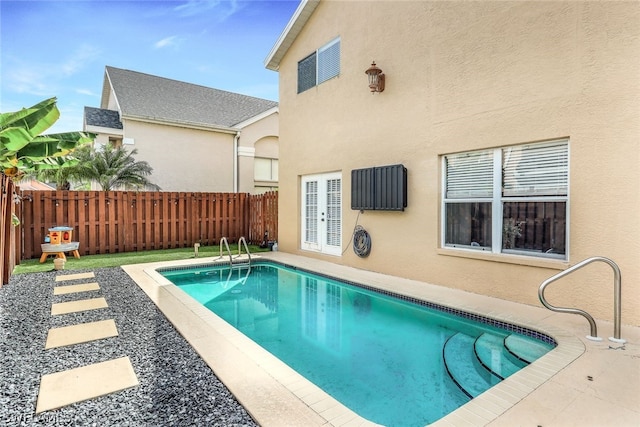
(511,230)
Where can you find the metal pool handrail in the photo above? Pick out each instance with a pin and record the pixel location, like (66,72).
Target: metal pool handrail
(242,242)
(226,243)
(617,313)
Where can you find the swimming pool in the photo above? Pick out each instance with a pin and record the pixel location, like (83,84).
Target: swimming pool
(393,361)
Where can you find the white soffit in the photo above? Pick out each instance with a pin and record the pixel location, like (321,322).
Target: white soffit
(291,31)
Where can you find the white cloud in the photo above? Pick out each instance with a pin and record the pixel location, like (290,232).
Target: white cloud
(42,78)
(223,9)
(79,59)
(167,42)
(28,79)
(86,92)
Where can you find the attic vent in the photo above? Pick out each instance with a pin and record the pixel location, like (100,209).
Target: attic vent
(379,188)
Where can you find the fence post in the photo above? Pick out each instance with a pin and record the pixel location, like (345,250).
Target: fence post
(8,247)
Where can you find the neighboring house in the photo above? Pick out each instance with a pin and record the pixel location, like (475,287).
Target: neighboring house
(517,123)
(195,138)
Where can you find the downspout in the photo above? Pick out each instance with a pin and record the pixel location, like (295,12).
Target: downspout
(235,161)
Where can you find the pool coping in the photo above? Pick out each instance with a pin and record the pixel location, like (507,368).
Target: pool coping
(274,394)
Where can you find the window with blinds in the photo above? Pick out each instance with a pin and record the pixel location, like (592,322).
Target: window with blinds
(508,200)
(329,61)
(320,66)
(541,169)
(469,175)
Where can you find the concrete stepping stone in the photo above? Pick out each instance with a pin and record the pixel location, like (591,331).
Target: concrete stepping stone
(84,332)
(84,383)
(76,276)
(75,306)
(71,289)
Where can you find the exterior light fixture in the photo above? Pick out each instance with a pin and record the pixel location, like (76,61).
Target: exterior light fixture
(376,78)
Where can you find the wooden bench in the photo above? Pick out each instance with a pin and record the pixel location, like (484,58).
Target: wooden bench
(59,250)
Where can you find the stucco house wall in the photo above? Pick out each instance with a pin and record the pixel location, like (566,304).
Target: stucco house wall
(464,76)
(258,139)
(195,138)
(199,160)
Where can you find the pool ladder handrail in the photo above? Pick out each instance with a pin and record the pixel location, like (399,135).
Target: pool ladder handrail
(616,298)
(243,242)
(226,244)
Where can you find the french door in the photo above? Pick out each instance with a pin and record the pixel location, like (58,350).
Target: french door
(321,212)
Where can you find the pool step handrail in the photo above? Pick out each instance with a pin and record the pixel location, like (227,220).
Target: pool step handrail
(617,310)
(243,242)
(226,244)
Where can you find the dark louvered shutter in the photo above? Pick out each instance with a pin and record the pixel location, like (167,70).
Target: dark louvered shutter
(307,73)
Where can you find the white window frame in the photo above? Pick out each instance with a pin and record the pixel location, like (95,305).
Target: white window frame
(477,193)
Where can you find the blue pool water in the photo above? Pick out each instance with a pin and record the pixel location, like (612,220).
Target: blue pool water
(395,362)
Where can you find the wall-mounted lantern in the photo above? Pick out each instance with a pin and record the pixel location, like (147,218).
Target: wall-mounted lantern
(376,78)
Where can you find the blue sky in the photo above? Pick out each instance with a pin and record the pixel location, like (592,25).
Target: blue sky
(60,48)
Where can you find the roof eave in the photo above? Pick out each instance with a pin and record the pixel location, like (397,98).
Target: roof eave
(185,124)
(257,117)
(102,130)
(291,31)
(107,88)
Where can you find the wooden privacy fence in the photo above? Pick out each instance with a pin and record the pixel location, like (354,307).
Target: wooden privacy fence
(263,216)
(9,245)
(123,221)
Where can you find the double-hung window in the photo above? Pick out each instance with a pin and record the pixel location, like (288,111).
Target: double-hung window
(265,169)
(320,66)
(508,200)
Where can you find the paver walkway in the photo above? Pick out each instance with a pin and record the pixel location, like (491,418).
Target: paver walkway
(88,381)
(175,386)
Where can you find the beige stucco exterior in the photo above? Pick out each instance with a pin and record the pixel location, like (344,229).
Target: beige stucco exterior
(258,139)
(199,160)
(462,76)
(190,157)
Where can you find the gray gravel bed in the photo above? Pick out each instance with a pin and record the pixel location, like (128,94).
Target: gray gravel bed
(177,388)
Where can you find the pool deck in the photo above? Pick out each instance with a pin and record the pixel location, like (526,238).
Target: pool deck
(580,382)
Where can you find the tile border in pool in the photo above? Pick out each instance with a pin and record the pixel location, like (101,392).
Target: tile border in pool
(276,395)
(450,310)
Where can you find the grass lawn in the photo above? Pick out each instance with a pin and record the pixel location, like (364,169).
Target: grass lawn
(116,260)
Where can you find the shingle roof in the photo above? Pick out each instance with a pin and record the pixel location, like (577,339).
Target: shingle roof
(101,117)
(145,96)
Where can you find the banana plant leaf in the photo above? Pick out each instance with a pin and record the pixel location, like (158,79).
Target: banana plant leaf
(54,163)
(23,147)
(34,119)
(13,139)
(53,145)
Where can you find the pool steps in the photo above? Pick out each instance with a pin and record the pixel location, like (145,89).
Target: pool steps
(492,353)
(477,363)
(525,350)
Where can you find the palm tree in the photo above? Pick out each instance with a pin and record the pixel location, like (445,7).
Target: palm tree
(112,168)
(61,171)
